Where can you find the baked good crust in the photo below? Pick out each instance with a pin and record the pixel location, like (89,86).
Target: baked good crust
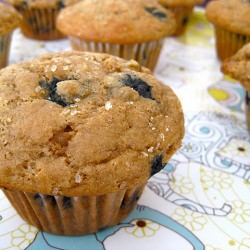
(238,66)
(231,15)
(105,138)
(117,21)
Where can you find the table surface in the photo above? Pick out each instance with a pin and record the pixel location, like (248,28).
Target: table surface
(200,200)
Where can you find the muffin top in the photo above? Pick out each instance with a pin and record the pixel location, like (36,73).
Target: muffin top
(231,15)
(179,3)
(117,21)
(81,123)
(238,66)
(9,19)
(42,3)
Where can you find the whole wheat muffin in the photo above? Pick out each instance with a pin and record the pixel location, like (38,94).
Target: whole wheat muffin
(81,133)
(182,10)
(238,67)
(39,17)
(232,25)
(131,29)
(9,21)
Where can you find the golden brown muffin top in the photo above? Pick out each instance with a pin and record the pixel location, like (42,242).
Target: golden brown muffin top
(80,123)
(238,66)
(117,21)
(9,19)
(42,3)
(180,3)
(231,15)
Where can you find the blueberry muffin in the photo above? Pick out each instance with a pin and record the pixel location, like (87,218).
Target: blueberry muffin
(126,28)
(232,25)
(9,20)
(238,67)
(81,133)
(39,17)
(182,10)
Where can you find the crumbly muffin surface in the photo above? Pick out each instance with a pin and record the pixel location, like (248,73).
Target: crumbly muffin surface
(78,123)
(117,21)
(231,15)
(9,19)
(238,66)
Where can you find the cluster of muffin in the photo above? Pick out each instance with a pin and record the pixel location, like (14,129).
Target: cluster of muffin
(103,26)
(128,29)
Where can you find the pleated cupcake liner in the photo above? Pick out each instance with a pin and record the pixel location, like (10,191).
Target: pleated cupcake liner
(228,43)
(39,24)
(78,215)
(247,108)
(146,54)
(5,42)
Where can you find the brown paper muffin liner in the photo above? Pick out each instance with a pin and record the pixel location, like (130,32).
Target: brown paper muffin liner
(182,15)
(74,215)
(146,54)
(39,24)
(5,41)
(247,108)
(228,43)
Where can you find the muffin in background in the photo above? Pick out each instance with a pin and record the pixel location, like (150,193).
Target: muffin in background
(238,67)
(39,17)
(182,10)
(9,20)
(81,133)
(231,20)
(131,29)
